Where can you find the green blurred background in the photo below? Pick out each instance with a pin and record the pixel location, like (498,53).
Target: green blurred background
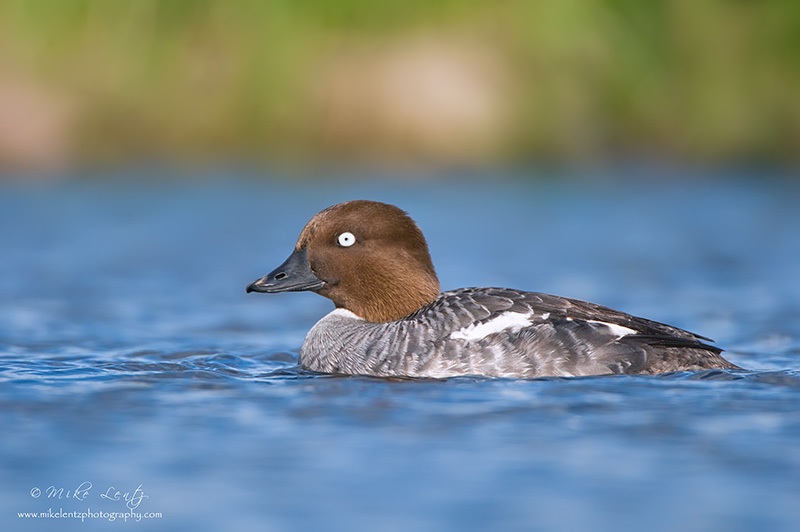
(86,82)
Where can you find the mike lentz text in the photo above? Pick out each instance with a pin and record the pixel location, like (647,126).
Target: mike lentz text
(132,499)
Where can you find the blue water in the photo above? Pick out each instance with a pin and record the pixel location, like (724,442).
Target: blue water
(132,359)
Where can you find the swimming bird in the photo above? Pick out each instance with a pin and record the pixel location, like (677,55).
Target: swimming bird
(372,260)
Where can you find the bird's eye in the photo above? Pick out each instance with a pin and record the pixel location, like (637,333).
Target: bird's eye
(346,239)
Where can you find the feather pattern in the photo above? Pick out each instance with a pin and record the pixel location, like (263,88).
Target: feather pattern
(504,333)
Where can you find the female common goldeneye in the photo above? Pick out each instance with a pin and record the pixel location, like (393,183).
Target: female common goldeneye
(372,261)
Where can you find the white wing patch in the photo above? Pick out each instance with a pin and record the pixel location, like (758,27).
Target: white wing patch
(511,321)
(617,330)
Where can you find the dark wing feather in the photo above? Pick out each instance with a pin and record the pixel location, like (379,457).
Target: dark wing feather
(582,310)
(569,335)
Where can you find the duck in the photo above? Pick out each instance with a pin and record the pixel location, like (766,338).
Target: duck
(391,319)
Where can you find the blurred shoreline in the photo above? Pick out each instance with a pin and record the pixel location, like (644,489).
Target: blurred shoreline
(618,172)
(94,83)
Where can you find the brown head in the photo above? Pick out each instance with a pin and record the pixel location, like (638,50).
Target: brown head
(367,257)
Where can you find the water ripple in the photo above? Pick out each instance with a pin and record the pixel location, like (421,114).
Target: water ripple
(129,354)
